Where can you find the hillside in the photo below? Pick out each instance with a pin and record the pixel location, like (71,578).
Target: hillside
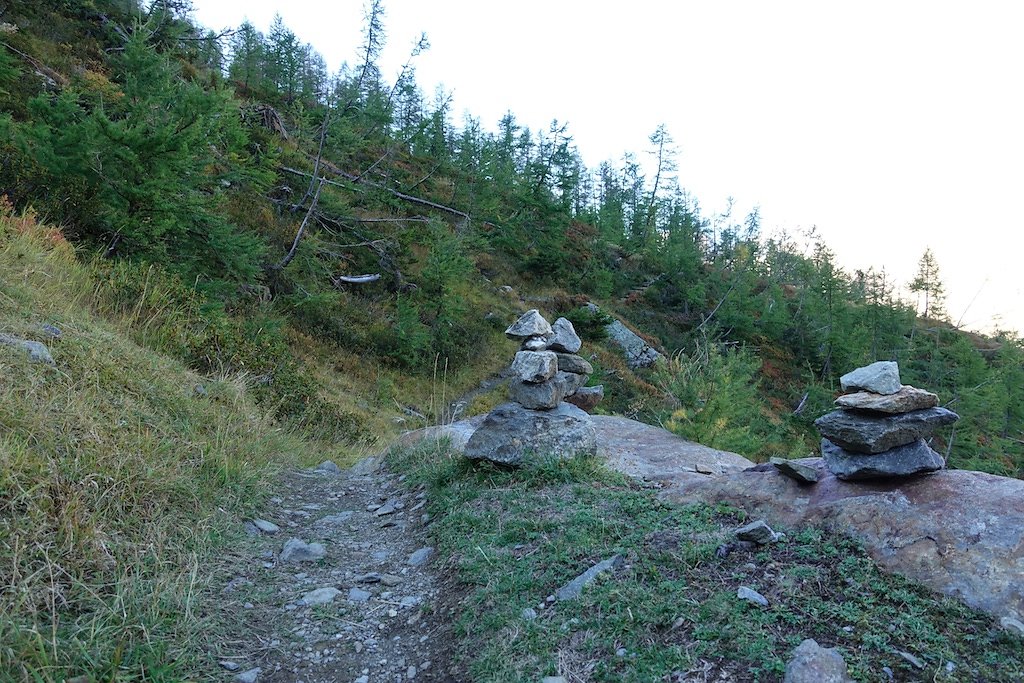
(244,264)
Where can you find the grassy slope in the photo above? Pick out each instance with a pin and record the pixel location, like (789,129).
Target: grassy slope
(117,478)
(671,613)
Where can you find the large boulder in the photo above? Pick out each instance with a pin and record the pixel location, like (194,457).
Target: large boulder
(903,401)
(638,353)
(535,366)
(564,337)
(882,377)
(956,531)
(530,324)
(510,434)
(865,433)
(912,458)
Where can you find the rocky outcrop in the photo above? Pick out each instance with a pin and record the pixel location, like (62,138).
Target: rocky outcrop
(959,532)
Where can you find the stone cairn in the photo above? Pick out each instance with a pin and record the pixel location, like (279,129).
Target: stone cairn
(881,427)
(546,414)
(546,370)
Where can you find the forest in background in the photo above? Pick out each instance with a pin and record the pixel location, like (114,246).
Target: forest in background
(271,220)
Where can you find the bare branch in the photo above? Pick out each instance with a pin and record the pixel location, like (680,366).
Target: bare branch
(302,228)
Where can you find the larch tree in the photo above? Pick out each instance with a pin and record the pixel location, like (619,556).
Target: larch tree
(928,282)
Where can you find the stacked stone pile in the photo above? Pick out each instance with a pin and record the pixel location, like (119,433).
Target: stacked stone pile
(547,371)
(882,426)
(547,392)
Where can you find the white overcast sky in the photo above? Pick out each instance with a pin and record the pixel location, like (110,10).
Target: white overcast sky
(891,126)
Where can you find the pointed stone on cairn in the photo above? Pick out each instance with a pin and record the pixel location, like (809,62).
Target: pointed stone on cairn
(547,377)
(880,430)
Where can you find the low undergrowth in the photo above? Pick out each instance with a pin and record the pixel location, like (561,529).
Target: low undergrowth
(120,471)
(670,612)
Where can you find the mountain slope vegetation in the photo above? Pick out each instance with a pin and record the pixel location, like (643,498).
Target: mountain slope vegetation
(332,259)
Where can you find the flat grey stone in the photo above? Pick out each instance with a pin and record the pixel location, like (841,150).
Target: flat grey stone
(812,663)
(329,467)
(359,595)
(249,676)
(534,367)
(339,518)
(914,458)
(914,661)
(510,434)
(882,377)
(321,596)
(757,532)
(530,324)
(865,433)
(420,557)
(265,526)
(297,550)
(574,588)
(564,337)
(794,469)
(229,665)
(908,398)
(751,595)
(528,614)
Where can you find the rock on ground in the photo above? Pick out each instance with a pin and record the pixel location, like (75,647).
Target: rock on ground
(757,532)
(751,595)
(638,353)
(902,461)
(797,469)
(37,351)
(297,550)
(882,377)
(812,663)
(863,433)
(510,434)
(574,588)
(908,398)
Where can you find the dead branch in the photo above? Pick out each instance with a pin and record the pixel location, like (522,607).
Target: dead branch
(356,279)
(302,228)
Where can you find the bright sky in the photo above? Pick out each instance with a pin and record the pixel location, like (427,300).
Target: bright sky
(891,126)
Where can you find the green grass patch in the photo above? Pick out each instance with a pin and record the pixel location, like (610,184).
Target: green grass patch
(670,612)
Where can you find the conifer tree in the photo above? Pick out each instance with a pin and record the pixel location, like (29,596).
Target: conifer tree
(928,281)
